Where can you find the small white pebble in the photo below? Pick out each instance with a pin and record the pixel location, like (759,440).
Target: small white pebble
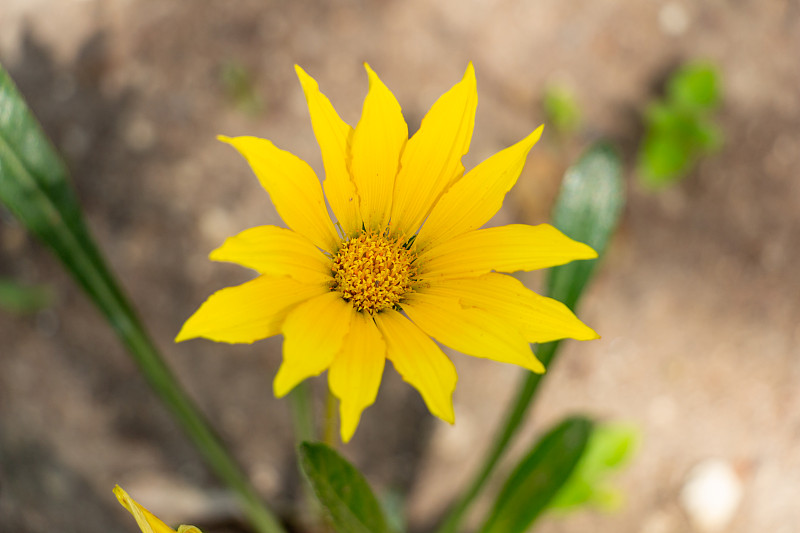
(711,495)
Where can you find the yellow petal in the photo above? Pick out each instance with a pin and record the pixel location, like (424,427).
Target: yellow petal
(333,136)
(502,249)
(293,188)
(355,374)
(472,331)
(420,362)
(476,197)
(144,518)
(249,312)
(432,159)
(540,319)
(313,333)
(277,252)
(378,142)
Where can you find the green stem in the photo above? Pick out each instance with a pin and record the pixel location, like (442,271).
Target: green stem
(302,413)
(188,415)
(85,262)
(33,184)
(329,435)
(514,417)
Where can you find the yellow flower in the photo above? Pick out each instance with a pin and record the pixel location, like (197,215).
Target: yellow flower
(404,262)
(145,519)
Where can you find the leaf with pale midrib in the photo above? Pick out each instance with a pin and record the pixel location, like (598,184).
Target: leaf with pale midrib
(342,490)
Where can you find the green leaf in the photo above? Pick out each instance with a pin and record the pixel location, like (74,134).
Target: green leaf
(587,210)
(664,157)
(695,86)
(342,490)
(675,140)
(610,448)
(539,477)
(34,186)
(24,299)
(679,130)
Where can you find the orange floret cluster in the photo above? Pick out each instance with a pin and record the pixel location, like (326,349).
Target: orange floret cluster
(373,272)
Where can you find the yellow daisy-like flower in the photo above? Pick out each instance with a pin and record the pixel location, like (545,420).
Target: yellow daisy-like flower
(404,263)
(146,521)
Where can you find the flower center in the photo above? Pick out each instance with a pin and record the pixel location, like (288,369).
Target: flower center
(373,272)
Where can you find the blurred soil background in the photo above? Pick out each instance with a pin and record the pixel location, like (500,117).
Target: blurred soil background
(697,300)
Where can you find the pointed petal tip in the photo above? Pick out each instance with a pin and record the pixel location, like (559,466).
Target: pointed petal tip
(279,387)
(183,335)
(588,334)
(225,139)
(374,81)
(306,81)
(586,251)
(119,492)
(371,74)
(215,254)
(447,412)
(532,138)
(347,428)
(469,73)
(536,366)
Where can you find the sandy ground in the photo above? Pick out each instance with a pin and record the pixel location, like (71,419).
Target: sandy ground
(697,300)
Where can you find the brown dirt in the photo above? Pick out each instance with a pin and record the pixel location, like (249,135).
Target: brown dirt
(697,300)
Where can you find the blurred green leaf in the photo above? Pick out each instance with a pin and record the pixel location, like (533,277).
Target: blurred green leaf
(587,210)
(695,86)
(538,477)
(342,490)
(672,145)
(610,448)
(663,157)
(24,299)
(561,109)
(679,130)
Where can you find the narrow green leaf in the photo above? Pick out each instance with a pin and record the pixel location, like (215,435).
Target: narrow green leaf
(24,299)
(342,490)
(538,477)
(587,210)
(35,187)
